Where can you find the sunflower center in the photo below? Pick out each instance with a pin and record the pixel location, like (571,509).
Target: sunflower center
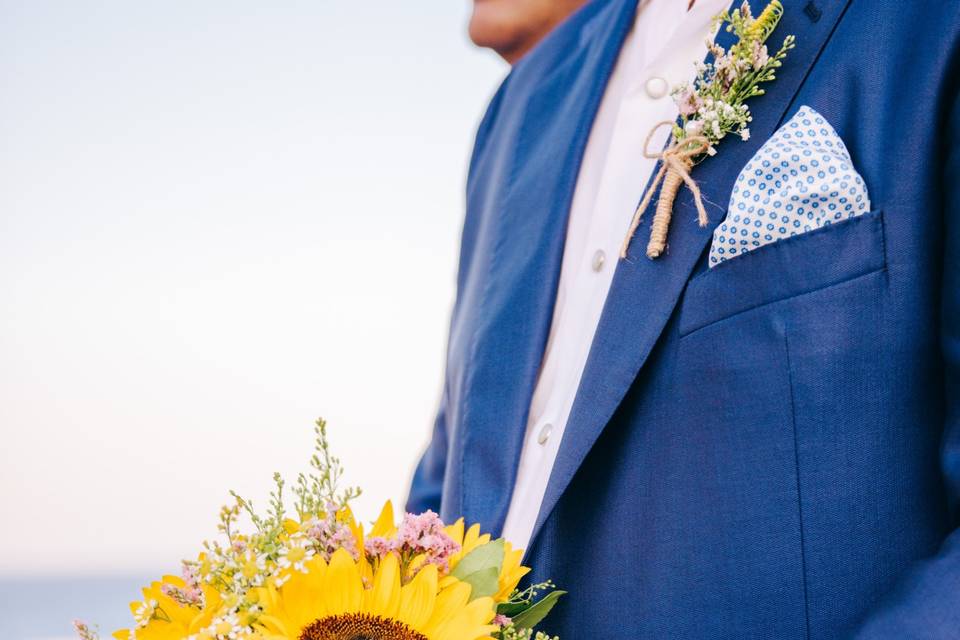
(359,626)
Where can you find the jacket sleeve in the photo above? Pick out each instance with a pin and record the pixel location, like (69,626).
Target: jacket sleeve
(426,489)
(926,603)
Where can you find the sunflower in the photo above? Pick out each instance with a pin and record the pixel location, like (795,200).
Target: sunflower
(329,602)
(161,617)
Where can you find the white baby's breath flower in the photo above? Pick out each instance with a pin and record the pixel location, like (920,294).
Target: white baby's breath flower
(693,127)
(745,134)
(226,627)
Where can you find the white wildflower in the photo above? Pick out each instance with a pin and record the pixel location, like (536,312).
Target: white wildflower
(296,553)
(145,612)
(693,127)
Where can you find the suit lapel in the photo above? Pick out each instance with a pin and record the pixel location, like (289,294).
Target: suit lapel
(527,249)
(644,292)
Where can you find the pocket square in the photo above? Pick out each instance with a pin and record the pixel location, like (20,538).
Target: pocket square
(799,180)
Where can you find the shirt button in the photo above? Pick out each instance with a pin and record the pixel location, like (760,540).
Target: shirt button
(598,259)
(656,87)
(544,434)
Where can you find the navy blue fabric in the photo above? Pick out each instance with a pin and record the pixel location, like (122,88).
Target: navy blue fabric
(766,449)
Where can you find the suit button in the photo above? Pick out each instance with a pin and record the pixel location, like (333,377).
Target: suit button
(656,87)
(544,434)
(598,259)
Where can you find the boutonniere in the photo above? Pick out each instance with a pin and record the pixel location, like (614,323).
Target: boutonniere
(712,107)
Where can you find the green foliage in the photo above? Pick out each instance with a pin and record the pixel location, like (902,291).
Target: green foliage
(481,568)
(522,599)
(516,633)
(526,612)
(317,492)
(483,557)
(715,104)
(483,583)
(536,613)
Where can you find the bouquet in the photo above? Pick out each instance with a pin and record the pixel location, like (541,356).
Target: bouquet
(313,572)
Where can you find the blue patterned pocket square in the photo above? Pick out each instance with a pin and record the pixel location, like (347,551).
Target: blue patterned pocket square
(801,179)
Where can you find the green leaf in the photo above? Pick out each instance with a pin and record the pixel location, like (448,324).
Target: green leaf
(483,583)
(532,616)
(483,557)
(512,609)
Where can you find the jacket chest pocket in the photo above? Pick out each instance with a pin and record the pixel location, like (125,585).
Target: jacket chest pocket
(776,272)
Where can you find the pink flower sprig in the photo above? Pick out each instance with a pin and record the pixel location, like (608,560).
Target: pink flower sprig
(424,534)
(190,594)
(418,535)
(329,534)
(84,631)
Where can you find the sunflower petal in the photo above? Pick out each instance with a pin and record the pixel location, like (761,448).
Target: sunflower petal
(384,526)
(469,623)
(274,626)
(385,595)
(417,599)
(450,602)
(455,531)
(343,588)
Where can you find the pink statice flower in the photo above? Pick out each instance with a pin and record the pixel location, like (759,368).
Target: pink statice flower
(688,101)
(726,69)
(329,534)
(759,57)
(190,594)
(424,534)
(501,620)
(84,632)
(378,546)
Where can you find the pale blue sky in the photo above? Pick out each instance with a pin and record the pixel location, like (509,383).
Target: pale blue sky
(218,220)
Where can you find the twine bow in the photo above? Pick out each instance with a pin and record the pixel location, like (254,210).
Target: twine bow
(675,164)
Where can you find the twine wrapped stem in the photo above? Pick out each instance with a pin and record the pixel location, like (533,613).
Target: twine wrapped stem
(676,160)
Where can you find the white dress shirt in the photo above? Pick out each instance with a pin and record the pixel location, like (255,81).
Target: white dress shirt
(658,53)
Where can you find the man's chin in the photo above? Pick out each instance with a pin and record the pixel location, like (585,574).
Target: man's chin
(492,27)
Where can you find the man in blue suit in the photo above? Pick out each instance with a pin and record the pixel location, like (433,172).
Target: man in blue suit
(768,447)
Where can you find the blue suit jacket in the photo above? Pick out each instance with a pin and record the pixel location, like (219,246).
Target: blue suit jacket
(767,449)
